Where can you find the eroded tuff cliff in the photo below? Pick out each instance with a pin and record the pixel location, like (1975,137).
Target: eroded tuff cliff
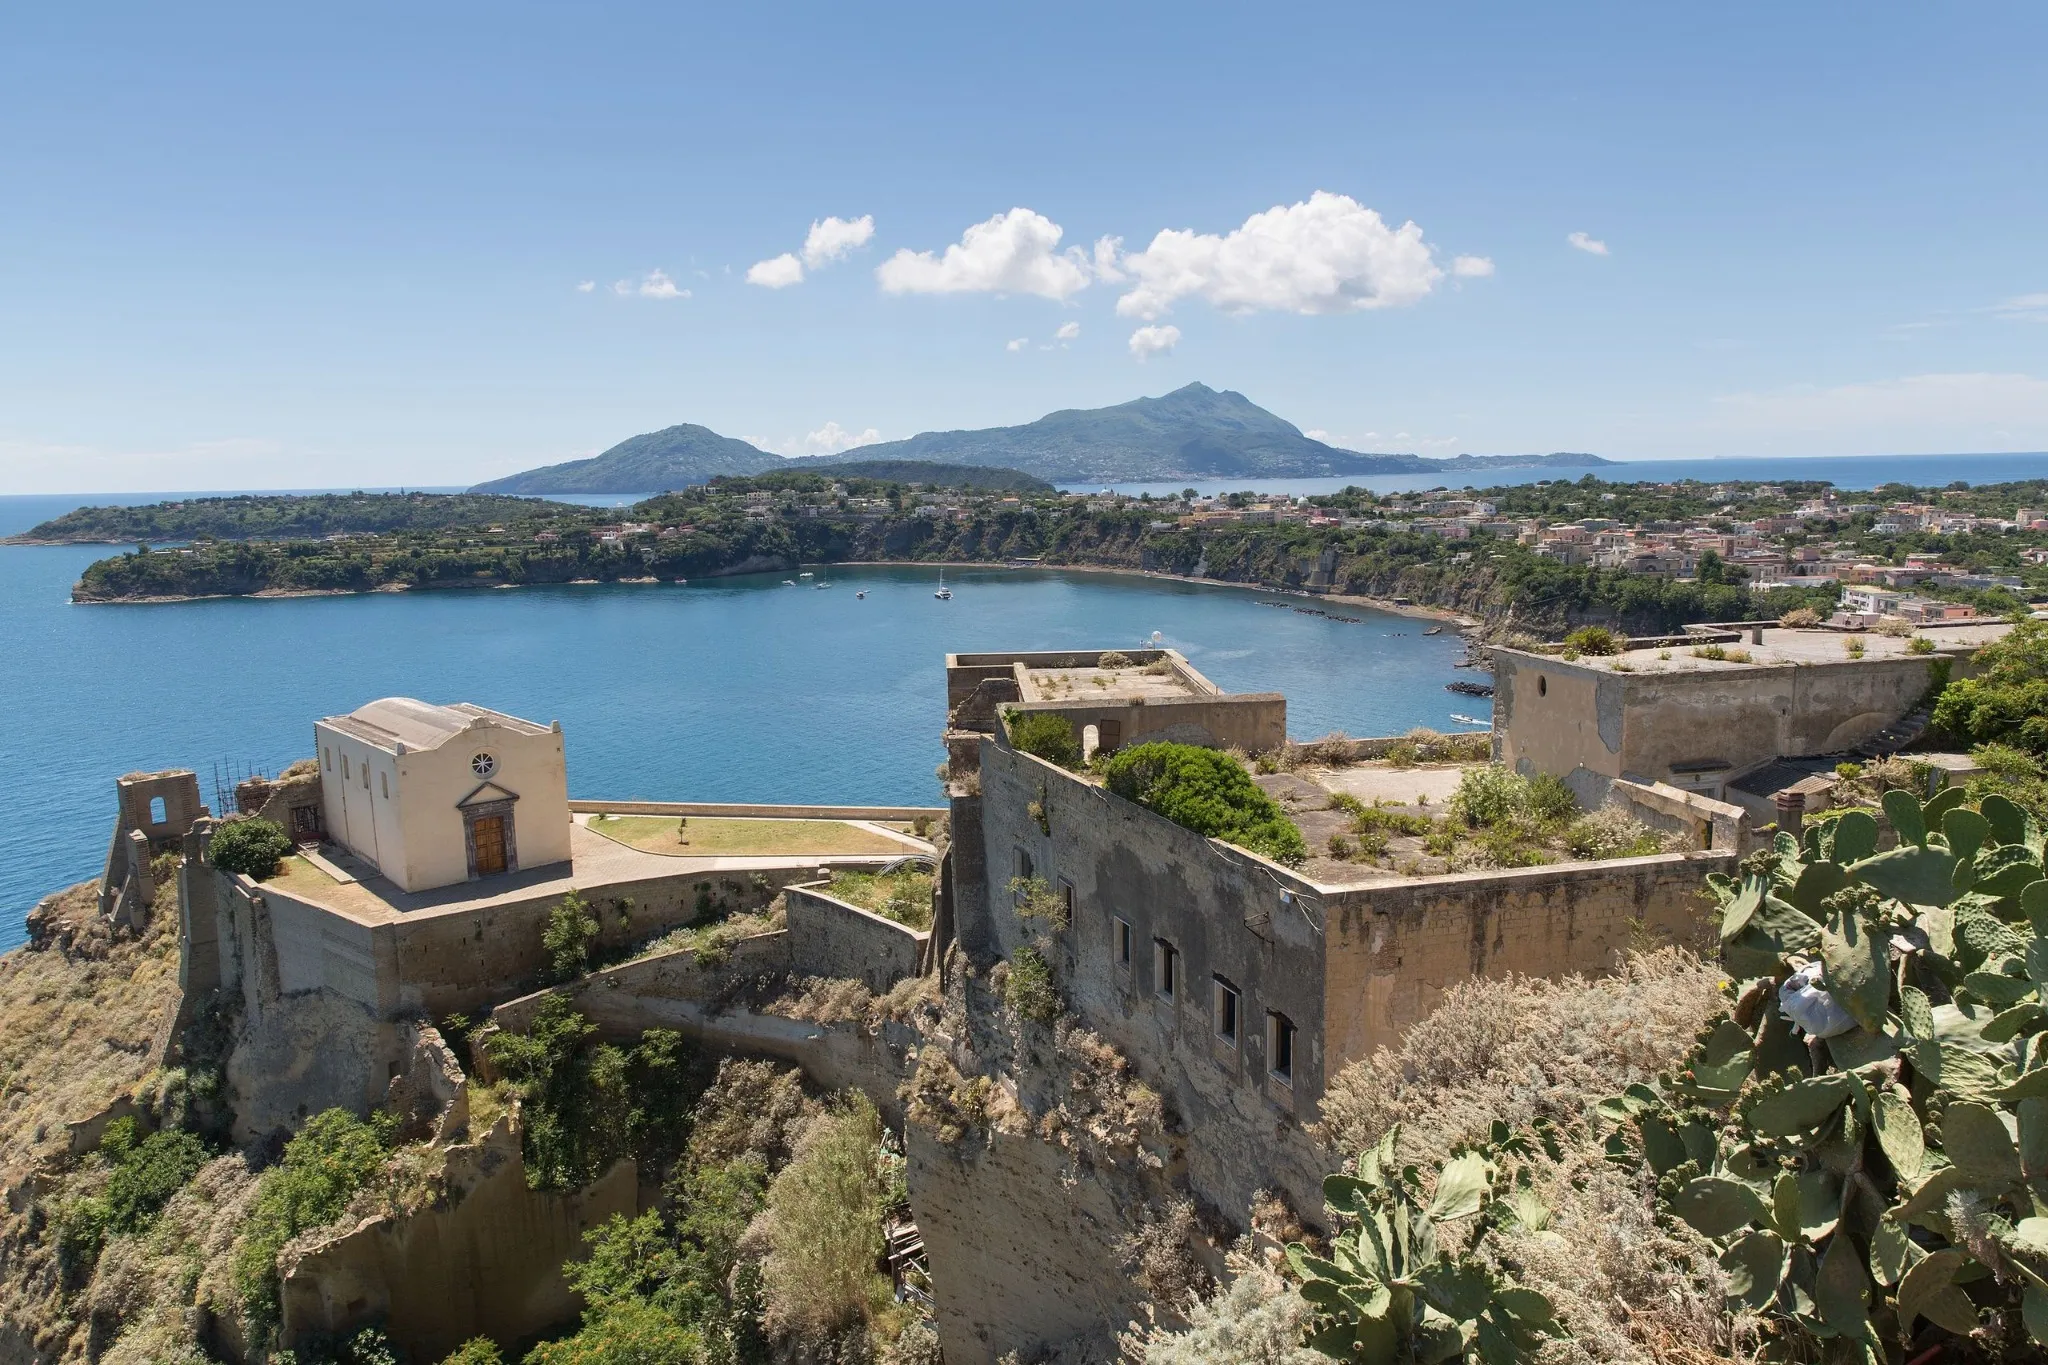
(85,1012)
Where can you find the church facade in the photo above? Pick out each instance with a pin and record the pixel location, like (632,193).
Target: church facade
(435,795)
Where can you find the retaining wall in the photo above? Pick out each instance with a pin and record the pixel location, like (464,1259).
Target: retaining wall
(831,937)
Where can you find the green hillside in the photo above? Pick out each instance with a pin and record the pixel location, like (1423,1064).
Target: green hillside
(674,457)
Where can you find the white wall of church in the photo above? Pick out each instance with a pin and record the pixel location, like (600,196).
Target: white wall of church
(407,820)
(437,780)
(360,794)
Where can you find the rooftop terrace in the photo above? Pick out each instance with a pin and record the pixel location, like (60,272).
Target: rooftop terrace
(343,884)
(1782,647)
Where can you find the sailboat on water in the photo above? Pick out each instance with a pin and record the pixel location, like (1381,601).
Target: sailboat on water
(944,594)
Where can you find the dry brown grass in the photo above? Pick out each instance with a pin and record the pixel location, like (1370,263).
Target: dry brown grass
(1523,1049)
(80,1007)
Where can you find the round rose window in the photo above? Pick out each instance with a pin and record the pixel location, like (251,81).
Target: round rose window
(483,765)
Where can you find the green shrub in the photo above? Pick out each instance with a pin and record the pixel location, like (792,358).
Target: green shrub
(1047,735)
(1115,658)
(585,1105)
(475,1351)
(567,937)
(146,1174)
(1919,644)
(2007,702)
(1030,991)
(1488,795)
(362,1346)
(1035,899)
(251,847)
(332,1157)
(1550,800)
(1853,646)
(1207,792)
(1595,640)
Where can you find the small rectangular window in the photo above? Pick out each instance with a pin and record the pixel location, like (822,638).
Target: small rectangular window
(1280,1046)
(1225,1010)
(344,768)
(328,756)
(1121,944)
(1024,867)
(1067,898)
(1165,968)
(384,785)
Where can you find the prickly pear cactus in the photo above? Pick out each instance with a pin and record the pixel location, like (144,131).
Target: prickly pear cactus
(1403,1283)
(1878,1186)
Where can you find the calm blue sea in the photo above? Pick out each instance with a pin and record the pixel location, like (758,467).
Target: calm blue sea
(740,689)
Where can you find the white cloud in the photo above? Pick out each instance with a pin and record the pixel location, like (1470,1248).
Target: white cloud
(1012,253)
(1922,412)
(2027,307)
(1328,254)
(1318,434)
(777,272)
(1147,342)
(832,438)
(1107,249)
(1472,267)
(833,239)
(1591,245)
(829,240)
(586,286)
(1015,344)
(654,285)
(1068,331)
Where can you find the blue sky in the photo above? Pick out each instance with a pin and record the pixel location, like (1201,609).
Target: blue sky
(275,246)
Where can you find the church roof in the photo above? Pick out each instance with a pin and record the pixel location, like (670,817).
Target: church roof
(392,721)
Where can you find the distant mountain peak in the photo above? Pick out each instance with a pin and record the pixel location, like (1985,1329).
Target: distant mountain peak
(1192,432)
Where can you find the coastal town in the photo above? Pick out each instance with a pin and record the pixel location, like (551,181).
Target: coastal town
(1644,557)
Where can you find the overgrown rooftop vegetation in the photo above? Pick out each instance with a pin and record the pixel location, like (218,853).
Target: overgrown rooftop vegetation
(1206,791)
(1401,816)
(904,895)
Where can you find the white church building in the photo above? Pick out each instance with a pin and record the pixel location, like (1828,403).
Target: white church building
(435,795)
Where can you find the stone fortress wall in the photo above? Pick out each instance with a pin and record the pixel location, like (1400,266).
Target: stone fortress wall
(1022,1230)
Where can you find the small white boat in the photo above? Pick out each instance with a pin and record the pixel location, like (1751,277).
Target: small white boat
(861,596)
(803,575)
(789,582)
(1468,720)
(821,585)
(944,594)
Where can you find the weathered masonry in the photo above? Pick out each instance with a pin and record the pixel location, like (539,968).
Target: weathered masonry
(1700,719)
(1238,986)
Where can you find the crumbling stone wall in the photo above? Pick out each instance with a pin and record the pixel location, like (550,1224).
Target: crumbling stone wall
(154,812)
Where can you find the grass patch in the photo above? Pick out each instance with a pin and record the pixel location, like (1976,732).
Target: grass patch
(297,877)
(904,895)
(720,836)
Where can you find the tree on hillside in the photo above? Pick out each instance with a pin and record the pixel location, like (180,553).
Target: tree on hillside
(2007,702)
